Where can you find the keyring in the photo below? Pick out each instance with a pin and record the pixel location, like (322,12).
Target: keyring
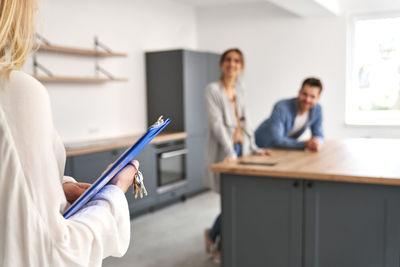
(139,177)
(130,163)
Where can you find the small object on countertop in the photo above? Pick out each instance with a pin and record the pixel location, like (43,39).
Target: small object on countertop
(257,163)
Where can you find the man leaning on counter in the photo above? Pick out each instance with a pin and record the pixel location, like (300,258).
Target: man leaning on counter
(293,119)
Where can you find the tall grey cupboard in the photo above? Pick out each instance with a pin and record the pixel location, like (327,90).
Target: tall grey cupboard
(175,88)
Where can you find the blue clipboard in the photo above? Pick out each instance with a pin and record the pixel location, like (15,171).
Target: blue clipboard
(120,163)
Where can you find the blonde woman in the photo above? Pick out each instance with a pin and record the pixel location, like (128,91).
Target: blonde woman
(33,191)
(229,133)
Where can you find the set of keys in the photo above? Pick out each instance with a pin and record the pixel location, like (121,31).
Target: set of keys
(138,185)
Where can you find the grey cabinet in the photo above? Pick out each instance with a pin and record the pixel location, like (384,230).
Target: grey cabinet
(195,162)
(199,70)
(286,222)
(175,88)
(87,168)
(148,167)
(351,225)
(268,233)
(164,78)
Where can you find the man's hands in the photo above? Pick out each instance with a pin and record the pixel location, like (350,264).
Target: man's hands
(74,190)
(314,144)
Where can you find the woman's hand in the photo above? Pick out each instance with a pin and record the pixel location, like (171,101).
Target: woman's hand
(229,159)
(265,152)
(125,178)
(73,190)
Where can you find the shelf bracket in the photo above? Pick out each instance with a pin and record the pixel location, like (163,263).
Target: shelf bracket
(105,72)
(37,66)
(98,44)
(41,39)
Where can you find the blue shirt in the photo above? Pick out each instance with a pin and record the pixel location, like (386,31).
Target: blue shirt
(274,131)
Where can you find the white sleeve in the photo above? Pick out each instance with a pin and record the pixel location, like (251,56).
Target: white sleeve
(100,229)
(33,231)
(67,179)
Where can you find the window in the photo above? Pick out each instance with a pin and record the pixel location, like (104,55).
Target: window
(373,92)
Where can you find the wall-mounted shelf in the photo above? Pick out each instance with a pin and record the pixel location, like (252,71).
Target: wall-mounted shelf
(78,51)
(100,50)
(70,79)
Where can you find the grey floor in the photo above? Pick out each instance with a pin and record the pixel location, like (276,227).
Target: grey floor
(172,236)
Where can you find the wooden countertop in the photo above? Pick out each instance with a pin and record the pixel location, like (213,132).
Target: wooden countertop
(374,161)
(81,148)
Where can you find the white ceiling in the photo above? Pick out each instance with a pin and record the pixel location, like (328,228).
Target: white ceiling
(307,8)
(215,3)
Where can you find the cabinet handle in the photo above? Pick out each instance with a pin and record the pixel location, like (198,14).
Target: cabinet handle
(174,153)
(310,184)
(296,183)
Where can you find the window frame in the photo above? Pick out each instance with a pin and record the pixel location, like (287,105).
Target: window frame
(353,116)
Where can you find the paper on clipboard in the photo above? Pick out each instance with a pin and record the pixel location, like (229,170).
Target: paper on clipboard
(120,163)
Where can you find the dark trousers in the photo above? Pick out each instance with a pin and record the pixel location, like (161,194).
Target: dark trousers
(215,232)
(238,149)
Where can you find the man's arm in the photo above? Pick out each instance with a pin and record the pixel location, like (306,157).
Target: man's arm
(277,131)
(316,127)
(315,143)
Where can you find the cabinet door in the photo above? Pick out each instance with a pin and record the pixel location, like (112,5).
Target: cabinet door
(147,160)
(87,168)
(196,162)
(165,88)
(69,170)
(195,80)
(213,68)
(261,221)
(352,225)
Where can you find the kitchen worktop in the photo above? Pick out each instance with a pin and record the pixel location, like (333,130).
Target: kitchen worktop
(373,161)
(86,147)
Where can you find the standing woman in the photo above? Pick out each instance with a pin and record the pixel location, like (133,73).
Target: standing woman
(33,191)
(229,133)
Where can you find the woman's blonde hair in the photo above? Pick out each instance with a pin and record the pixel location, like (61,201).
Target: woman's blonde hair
(17,33)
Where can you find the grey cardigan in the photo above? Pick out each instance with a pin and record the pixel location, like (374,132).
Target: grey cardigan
(221,125)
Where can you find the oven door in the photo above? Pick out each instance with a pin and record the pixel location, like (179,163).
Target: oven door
(171,168)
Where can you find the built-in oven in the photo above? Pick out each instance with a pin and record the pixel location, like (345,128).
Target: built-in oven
(171,165)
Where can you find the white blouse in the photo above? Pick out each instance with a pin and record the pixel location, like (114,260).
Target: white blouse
(33,231)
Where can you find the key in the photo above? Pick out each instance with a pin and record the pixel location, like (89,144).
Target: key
(139,187)
(142,187)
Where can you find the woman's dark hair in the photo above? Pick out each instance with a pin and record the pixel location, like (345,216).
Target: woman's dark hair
(312,82)
(237,50)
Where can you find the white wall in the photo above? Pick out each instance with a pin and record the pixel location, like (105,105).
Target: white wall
(281,50)
(112,109)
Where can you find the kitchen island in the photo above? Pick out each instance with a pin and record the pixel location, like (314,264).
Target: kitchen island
(336,207)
